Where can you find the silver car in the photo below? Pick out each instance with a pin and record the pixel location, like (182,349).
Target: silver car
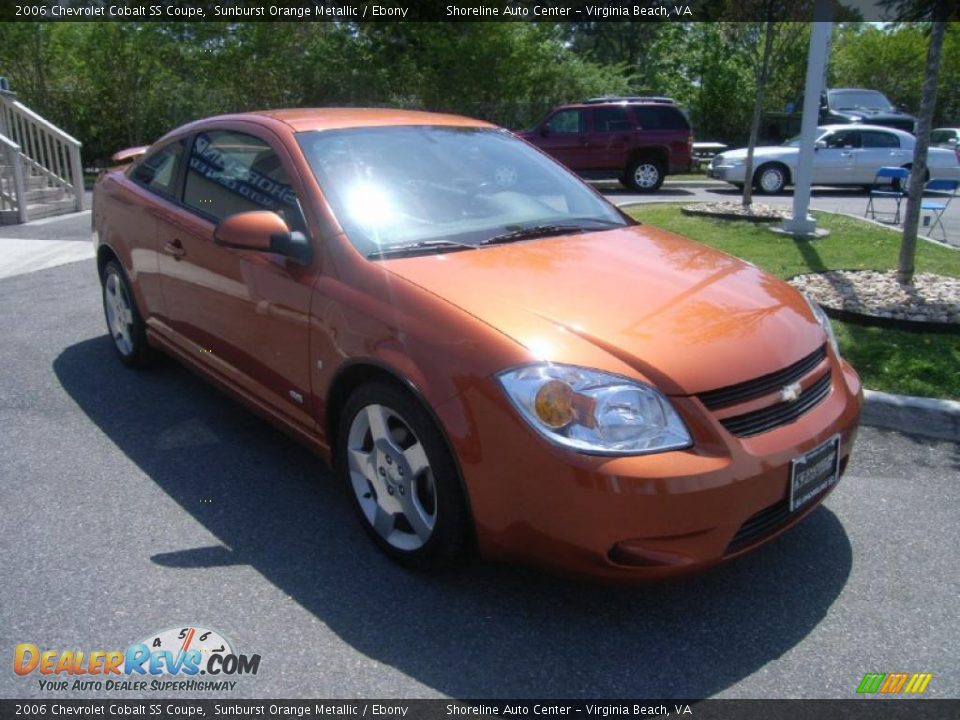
(946,137)
(845,155)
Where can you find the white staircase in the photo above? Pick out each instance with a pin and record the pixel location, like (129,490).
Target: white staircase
(40,170)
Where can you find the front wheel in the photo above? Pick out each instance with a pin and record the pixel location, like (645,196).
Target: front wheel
(770,179)
(644,175)
(402,478)
(124,323)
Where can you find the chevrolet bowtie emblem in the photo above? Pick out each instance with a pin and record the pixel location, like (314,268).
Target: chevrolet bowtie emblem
(790,393)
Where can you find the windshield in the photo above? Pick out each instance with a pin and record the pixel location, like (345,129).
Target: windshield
(430,187)
(858,100)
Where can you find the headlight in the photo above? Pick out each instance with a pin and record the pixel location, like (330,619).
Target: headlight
(824,321)
(594,412)
(734,163)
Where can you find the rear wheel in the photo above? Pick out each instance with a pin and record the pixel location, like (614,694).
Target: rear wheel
(645,175)
(402,478)
(902,184)
(124,323)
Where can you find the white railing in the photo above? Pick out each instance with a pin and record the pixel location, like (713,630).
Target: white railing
(12,195)
(43,150)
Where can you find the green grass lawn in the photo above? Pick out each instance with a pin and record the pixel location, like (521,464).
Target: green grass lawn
(926,364)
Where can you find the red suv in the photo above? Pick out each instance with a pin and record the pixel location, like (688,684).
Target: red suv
(638,140)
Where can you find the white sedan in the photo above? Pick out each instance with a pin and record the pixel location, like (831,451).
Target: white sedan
(845,155)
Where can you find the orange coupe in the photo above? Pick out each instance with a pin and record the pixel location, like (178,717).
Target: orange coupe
(493,357)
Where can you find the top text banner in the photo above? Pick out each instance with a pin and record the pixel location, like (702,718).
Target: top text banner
(441,10)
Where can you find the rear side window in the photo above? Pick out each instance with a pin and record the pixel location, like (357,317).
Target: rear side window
(844,139)
(231,172)
(660,117)
(874,139)
(610,119)
(158,171)
(567,122)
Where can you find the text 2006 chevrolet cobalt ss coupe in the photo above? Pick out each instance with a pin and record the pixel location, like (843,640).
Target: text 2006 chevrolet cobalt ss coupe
(493,356)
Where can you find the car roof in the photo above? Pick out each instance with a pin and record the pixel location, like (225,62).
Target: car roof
(865,126)
(306,119)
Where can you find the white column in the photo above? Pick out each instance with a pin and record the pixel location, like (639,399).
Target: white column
(802,224)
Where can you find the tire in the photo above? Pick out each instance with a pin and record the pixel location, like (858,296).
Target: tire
(645,175)
(902,186)
(771,179)
(124,323)
(401,477)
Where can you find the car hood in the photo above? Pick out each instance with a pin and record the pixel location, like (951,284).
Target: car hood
(876,117)
(684,316)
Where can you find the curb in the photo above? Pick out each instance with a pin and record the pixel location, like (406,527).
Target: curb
(928,417)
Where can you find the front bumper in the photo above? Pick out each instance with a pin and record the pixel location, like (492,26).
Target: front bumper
(728,173)
(639,517)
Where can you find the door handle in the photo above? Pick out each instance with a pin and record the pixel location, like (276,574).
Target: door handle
(174,248)
(846,154)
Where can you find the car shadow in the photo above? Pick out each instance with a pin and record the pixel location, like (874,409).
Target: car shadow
(483,631)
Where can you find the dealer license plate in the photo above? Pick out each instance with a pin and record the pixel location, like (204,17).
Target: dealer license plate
(814,472)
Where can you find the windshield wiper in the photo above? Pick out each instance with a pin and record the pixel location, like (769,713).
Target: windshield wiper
(537,231)
(418,248)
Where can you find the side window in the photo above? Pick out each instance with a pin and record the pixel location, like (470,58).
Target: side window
(670,118)
(610,119)
(567,122)
(874,139)
(652,117)
(231,172)
(941,136)
(158,171)
(846,139)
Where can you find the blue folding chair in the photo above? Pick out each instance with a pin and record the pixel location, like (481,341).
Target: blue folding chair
(940,188)
(889,183)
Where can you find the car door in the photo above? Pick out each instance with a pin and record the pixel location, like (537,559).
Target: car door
(833,163)
(877,149)
(609,137)
(241,314)
(134,216)
(566,137)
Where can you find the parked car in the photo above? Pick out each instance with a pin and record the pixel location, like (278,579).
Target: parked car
(524,371)
(637,140)
(946,138)
(845,155)
(860,105)
(838,106)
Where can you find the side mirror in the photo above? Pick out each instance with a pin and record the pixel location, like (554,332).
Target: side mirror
(902,107)
(544,130)
(262,231)
(951,141)
(819,144)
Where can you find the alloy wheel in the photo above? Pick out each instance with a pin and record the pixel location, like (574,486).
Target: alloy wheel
(391,476)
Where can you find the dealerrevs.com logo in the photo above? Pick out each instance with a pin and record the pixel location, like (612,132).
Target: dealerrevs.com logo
(170,660)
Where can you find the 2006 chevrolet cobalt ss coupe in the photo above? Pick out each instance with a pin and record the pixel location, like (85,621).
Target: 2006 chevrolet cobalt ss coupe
(493,356)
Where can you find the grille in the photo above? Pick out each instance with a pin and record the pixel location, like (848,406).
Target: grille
(768,418)
(760,524)
(763,385)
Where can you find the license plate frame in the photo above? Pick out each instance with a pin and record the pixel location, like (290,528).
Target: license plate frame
(814,472)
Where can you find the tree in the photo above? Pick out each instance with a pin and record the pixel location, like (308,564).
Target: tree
(908,246)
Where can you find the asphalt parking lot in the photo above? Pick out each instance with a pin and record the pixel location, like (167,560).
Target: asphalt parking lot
(135,502)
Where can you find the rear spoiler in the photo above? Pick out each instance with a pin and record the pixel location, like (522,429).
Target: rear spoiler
(122,157)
